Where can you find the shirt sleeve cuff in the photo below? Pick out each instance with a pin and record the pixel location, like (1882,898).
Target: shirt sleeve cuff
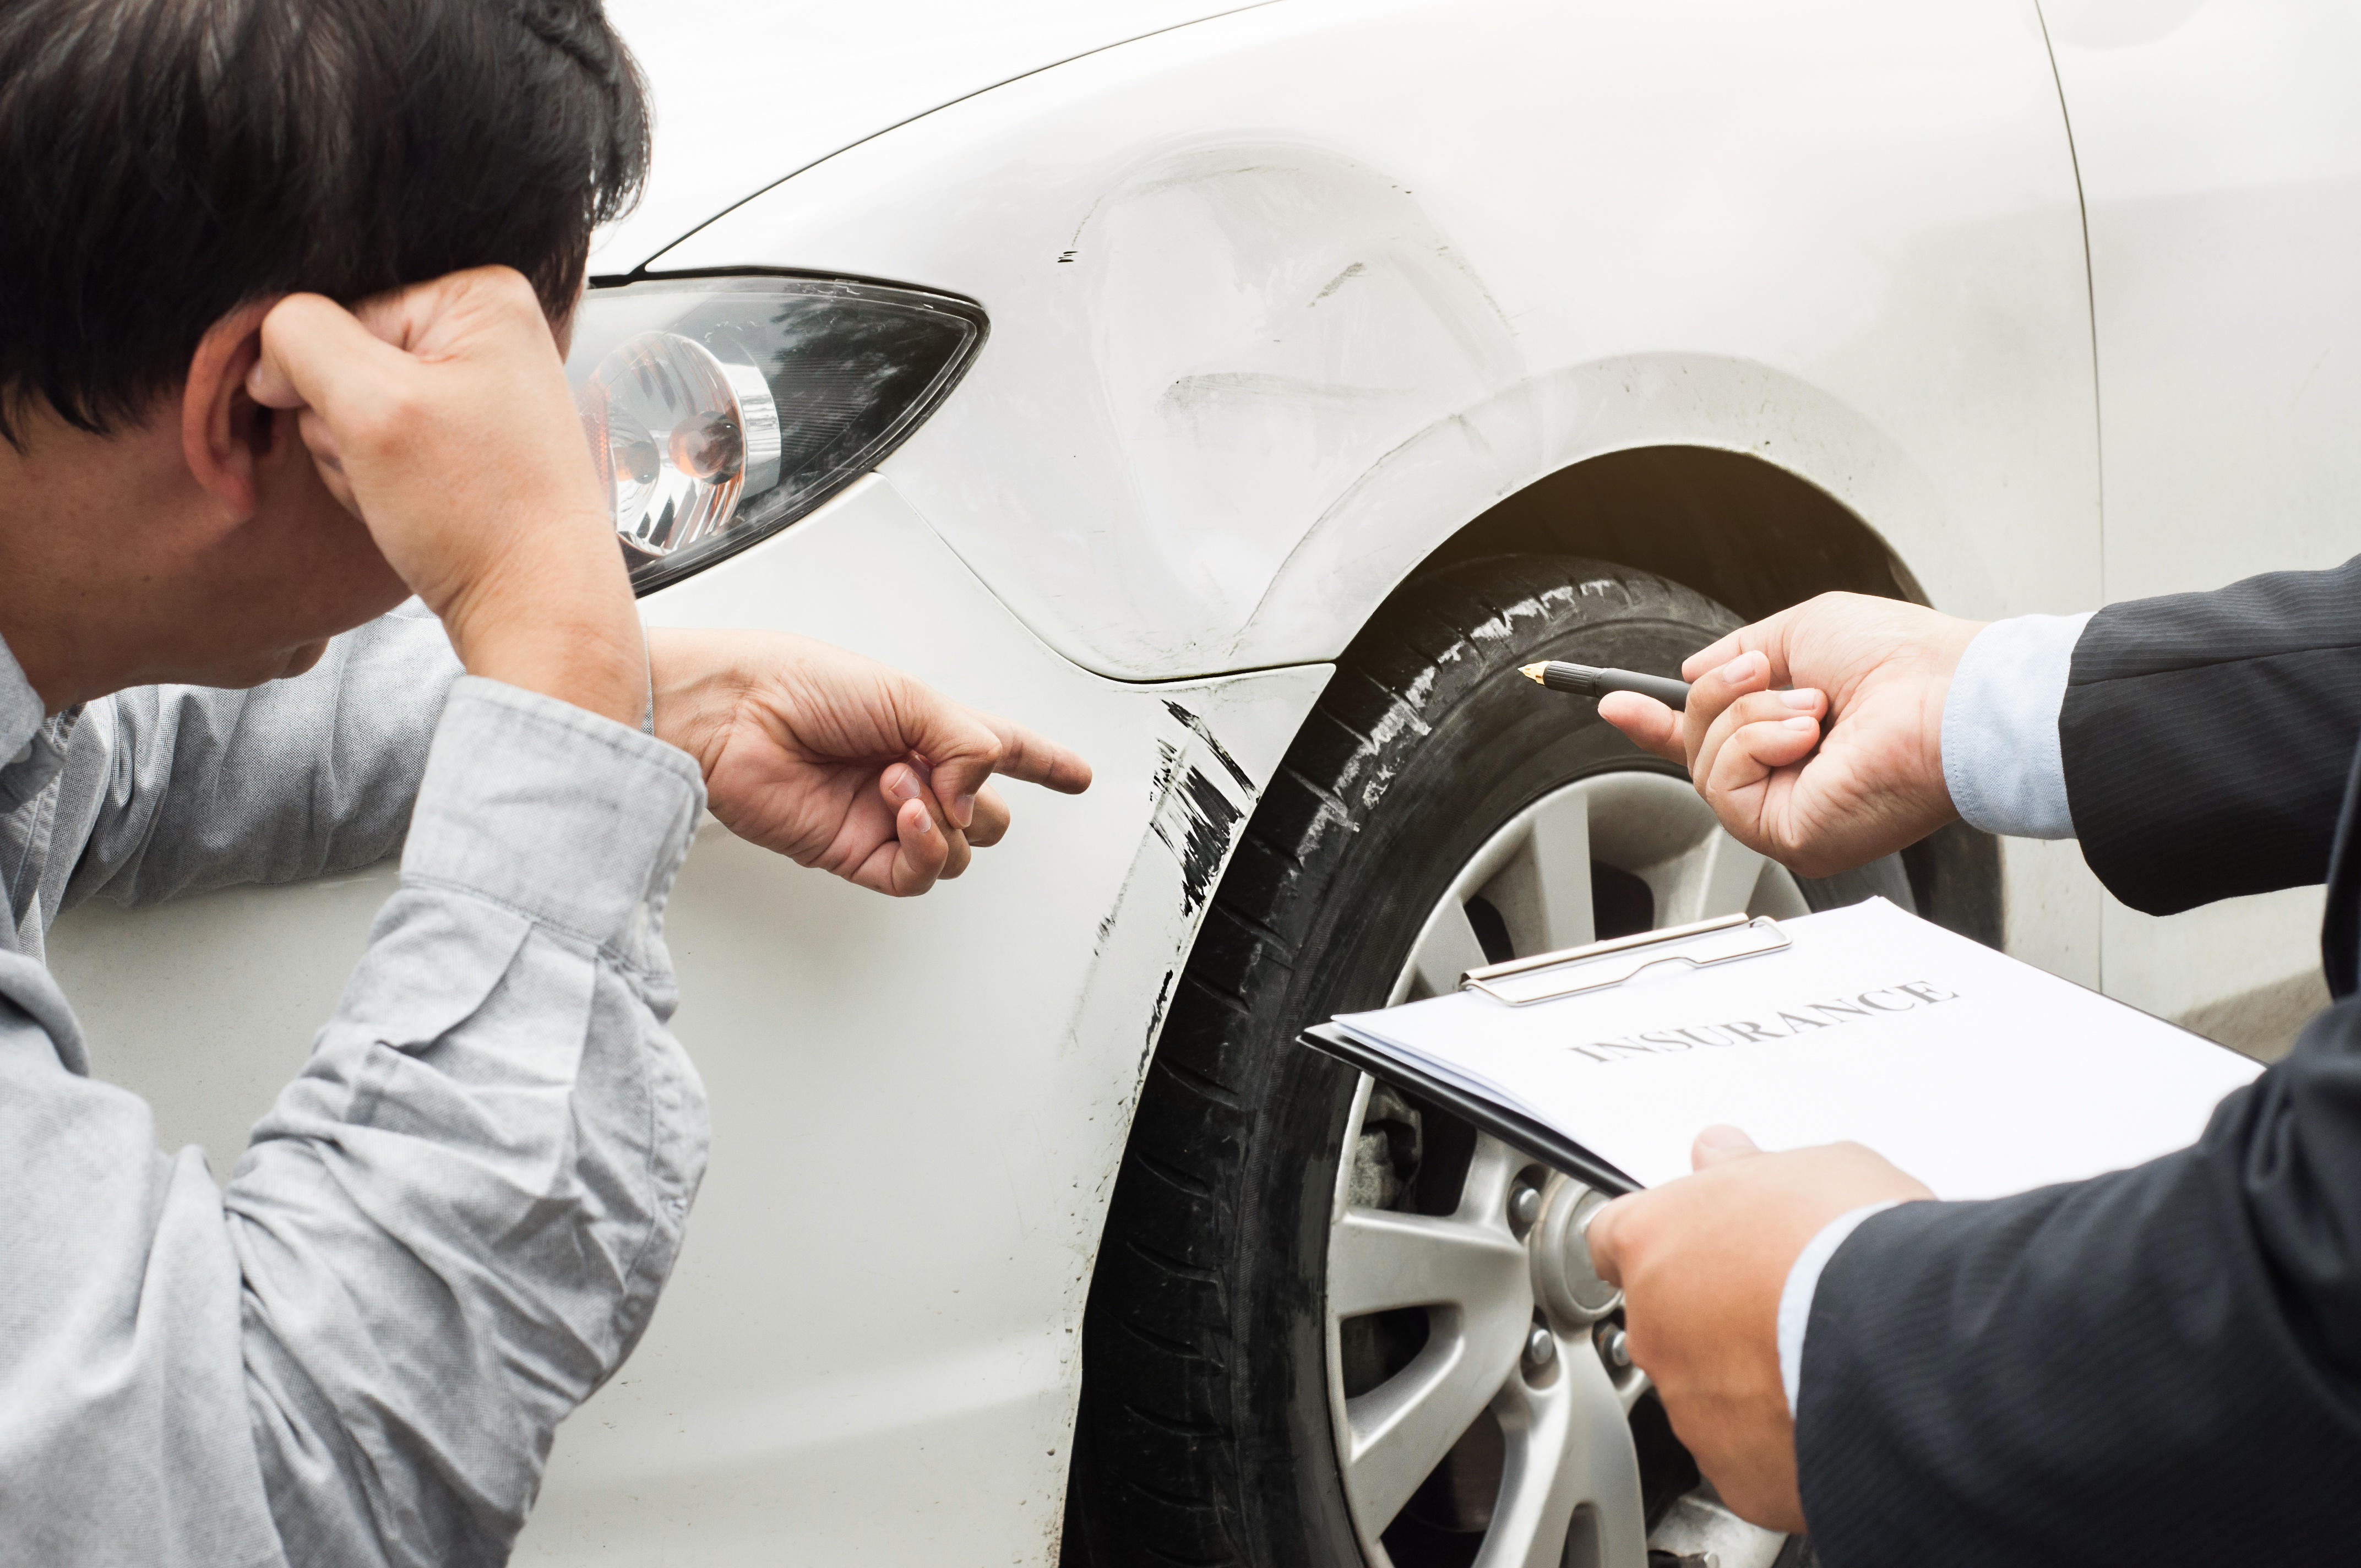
(1803,1280)
(573,820)
(2000,756)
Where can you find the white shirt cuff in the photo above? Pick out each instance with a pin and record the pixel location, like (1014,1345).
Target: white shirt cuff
(1795,1295)
(2001,757)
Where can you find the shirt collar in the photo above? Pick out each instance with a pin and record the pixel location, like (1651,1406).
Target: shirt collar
(32,744)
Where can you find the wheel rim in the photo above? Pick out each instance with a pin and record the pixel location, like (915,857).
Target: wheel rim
(1509,1380)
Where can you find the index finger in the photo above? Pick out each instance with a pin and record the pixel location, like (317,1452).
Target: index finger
(1027,756)
(975,746)
(1767,637)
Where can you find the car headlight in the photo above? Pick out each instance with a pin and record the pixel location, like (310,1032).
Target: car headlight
(720,409)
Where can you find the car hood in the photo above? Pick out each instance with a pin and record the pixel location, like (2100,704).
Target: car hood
(749,91)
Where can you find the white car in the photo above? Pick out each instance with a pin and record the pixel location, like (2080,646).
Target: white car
(1238,394)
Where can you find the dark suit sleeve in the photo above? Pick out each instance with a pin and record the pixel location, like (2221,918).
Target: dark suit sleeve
(2159,1366)
(2206,737)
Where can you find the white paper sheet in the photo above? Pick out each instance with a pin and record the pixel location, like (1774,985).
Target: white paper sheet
(1976,1073)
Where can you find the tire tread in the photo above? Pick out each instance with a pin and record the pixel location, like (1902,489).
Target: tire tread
(1160,1414)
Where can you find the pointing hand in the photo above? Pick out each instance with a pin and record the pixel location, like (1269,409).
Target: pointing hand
(838,761)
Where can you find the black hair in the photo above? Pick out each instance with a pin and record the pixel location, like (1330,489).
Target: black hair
(163,163)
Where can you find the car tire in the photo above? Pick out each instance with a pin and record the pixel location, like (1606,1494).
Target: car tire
(1205,1434)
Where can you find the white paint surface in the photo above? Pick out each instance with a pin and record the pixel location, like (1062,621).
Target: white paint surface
(2220,146)
(745,93)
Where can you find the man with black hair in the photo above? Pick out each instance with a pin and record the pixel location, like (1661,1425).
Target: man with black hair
(283,294)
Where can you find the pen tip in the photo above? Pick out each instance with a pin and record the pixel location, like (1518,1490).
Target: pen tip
(1531,671)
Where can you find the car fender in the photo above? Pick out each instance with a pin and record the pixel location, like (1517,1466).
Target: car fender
(1282,298)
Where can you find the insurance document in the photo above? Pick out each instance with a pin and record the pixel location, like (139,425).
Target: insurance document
(1976,1073)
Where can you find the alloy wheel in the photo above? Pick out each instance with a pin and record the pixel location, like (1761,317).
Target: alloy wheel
(1482,1407)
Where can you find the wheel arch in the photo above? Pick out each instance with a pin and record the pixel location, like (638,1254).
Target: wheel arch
(1750,533)
(1670,511)
(1734,526)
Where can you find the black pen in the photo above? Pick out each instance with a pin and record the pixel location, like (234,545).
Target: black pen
(1583,681)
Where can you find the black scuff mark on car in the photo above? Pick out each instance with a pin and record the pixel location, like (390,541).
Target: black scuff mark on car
(1068,255)
(1195,820)
(1192,812)
(1156,1019)
(1221,753)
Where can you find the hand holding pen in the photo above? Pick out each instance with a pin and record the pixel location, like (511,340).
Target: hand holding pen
(1842,766)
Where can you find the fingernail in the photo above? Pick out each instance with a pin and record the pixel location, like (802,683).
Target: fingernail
(1798,725)
(1801,696)
(901,784)
(1719,1137)
(1738,669)
(963,810)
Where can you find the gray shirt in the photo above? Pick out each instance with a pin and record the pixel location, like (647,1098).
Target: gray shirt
(450,1228)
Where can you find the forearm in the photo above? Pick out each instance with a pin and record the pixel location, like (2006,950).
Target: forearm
(447,1231)
(452,1227)
(2222,725)
(2154,1366)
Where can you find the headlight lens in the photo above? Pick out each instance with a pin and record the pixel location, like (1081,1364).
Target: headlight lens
(720,409)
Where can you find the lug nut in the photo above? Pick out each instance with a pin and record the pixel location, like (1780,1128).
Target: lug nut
(1541,1347)
(1525,1205)
(1613,1346)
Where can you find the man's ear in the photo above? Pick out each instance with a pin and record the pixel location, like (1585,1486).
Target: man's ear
(224,433)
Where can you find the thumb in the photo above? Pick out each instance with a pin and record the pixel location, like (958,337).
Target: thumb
(1718,1145)
(1651,725)
(314,352)
(1602,1235)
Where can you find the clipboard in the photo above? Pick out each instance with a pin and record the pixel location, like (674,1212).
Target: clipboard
(1970,1070)
(1546,1145)
(1569,971)
(1546,976)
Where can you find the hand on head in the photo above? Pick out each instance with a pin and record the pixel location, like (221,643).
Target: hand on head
(1702,1262)
(440,416)
(1817,793)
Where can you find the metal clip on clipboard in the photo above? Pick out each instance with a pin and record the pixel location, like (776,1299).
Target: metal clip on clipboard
(1569,972)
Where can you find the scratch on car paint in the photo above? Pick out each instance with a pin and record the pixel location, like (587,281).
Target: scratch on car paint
(1198,728)
(1339,280)
(1259,393)
(1194,819)
(1156,1019)
(1190,811)
(1455,259)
